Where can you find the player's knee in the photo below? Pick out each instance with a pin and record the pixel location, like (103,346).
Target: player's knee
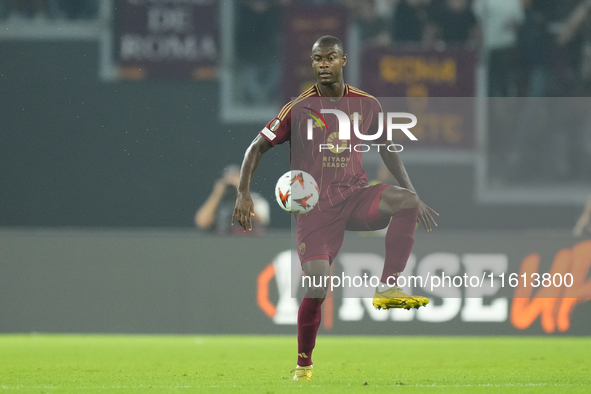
(395,199)
(411,200)
(318,292)
(405,199)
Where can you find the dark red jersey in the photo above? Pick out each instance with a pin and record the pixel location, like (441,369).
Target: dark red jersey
(335,164)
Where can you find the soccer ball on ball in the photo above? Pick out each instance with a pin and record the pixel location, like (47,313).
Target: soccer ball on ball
(297,192)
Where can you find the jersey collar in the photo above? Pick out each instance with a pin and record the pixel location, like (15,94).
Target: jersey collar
(320,94)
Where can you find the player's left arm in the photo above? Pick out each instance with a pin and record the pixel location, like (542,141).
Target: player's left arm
(394,164)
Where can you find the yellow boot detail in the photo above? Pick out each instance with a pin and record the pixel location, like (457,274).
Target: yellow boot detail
(395,298)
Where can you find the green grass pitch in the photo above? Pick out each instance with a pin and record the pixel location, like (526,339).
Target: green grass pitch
(261,364)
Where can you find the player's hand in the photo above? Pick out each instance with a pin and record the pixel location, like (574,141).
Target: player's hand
(243,211)
(425,217)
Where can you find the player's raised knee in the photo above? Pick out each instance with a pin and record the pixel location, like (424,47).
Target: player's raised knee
(395,199)
(411,200)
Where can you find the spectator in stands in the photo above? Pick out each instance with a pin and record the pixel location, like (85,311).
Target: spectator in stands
(372,25)
(456,23)
(19,10)
(259,21)
(319,2)
(575,37)
(500,21)
(584,223)
(570,133)
(74,9)
(533,53)
(551,70)
(412,22)
(22,10)
(215,215)
(534,45)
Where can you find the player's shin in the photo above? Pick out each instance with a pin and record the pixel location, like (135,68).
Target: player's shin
(309,316)
(399,243)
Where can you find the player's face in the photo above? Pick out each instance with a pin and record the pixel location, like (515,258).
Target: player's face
(328,64)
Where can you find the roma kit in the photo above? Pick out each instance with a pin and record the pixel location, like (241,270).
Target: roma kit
(346,201)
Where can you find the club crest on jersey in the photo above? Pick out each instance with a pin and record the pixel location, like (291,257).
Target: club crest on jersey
(359,121)
(302,248)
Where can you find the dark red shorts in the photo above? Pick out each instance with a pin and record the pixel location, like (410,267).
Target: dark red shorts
(320,234)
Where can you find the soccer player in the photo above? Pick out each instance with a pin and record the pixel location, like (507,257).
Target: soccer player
(346,201)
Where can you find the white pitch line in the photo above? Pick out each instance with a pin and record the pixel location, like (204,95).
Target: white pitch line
(435,385)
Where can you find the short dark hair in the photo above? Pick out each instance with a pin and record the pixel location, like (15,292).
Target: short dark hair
(330,41)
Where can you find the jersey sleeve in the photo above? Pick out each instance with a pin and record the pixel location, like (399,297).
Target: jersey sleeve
(278,130)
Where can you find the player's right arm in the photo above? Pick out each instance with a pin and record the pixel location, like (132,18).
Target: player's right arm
(244,209)
(276,132)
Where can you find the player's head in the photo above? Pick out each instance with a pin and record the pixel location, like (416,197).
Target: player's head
(328,60)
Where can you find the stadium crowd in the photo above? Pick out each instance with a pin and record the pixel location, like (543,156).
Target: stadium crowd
(520,38)
(533,48)
(15,11)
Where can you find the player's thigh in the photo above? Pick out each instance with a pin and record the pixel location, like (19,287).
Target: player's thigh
(363,209)
(320,236)
(396,198)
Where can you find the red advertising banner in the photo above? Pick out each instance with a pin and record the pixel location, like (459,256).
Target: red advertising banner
(407,72)
(443,124)
(303,26)
(420,75)
(167,38)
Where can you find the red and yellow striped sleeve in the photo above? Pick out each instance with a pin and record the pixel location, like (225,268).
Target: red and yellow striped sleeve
(278,130)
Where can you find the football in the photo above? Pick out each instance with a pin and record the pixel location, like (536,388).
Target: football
(297,192)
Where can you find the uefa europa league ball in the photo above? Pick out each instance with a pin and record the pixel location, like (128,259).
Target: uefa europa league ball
(296,192)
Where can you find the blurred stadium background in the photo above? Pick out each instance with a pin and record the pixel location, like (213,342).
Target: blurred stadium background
(119,117)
